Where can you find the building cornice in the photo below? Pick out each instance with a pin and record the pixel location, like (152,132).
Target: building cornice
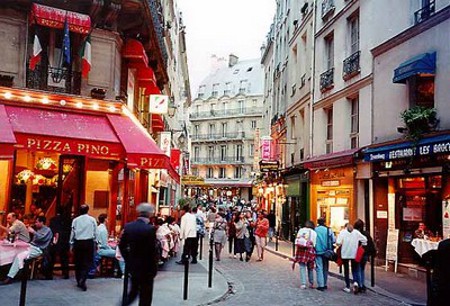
(299,29)
(345,92)
(298,104)
(331,21)
(411,32)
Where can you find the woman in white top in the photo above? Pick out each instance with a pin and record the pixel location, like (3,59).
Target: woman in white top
(349,240)
(305,254)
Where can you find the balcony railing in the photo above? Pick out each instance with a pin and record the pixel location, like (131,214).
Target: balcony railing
(156,11)
(218,160)
(327,80)
(425,12)
(327,8)
(216,137)
(227,112)
(54,79)
(351,66)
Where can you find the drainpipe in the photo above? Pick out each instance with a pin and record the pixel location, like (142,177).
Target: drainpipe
(313,74)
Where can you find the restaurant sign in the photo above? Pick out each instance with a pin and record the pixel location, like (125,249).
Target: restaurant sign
(192,180)
(69,146)
(268,166)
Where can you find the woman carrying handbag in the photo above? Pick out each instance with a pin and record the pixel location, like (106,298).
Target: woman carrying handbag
(305,253)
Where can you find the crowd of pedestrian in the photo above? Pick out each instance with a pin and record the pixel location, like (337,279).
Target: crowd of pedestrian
(317,246)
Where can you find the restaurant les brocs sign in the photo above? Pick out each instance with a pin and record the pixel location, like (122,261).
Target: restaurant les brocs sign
(421,150)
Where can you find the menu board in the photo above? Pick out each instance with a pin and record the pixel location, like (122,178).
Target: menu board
(392,245)
(391,211)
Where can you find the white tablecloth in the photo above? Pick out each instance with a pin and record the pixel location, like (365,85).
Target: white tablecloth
(9,251)
(422,246)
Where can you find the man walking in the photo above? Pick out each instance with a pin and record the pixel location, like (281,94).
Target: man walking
(272,222)
(324,241)
(138,248)
(82,239)
(189,235)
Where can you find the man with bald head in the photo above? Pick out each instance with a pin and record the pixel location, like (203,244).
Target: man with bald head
(138,248)
(16,227)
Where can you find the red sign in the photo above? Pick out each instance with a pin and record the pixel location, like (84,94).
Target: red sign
(266,148)
(175,158)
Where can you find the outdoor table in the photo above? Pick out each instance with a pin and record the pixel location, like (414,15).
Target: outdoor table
(421,246)
(8,250)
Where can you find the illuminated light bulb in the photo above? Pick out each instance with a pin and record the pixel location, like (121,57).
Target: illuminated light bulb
(27,98)
(7,95)
(112,108)
(62,102)
(45,100)
(79,105)
(95,106)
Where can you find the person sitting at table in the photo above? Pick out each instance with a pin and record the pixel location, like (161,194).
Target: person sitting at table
(41,239)
(104,249)
(422,231)
(16,227)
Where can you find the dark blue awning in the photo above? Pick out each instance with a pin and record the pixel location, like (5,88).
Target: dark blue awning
(439,144)
(424,63)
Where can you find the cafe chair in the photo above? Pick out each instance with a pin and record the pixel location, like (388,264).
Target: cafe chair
(35,264)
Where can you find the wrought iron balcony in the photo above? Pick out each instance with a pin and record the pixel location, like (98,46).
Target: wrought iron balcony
(218,137)
(327,80)
(351,66)
(54,79)
(233,112)
(425,12)
(156,11)
(218,160)
(327,8)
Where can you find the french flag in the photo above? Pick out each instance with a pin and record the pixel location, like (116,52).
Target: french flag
(37,51)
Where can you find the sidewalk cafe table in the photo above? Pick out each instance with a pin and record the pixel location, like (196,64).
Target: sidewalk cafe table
(8,250)
(421,246)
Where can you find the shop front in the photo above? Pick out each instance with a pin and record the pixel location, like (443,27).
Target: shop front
(60,152)
(333,188)
(411,186)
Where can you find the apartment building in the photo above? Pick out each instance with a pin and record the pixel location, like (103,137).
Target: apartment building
(225,116)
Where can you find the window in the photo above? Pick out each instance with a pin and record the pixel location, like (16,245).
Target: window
(212,108)
(197,110)
(329,52)
(241,106)
(215,90)
(354,123)
(211,130)
(254,102)
(201,91)
(254,124)
(196,131)
(237,172)
(210,173)
(222,173)
(329,138)
(227,90)
(224,129)
(223,153)
(196,154)
(293,134)
(354,33)
(195,171)
(242,86)
(239,152)
(211,153)
(421,91)
(251,149)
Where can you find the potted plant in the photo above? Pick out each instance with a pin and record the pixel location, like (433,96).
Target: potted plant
(419,120)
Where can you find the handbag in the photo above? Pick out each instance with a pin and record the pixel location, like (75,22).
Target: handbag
(359,254)
(330,254)
(303,242)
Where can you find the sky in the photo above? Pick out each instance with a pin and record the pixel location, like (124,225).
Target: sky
(221,27)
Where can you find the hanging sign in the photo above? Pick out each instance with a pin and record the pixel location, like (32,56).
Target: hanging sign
(266,148)
(159,104)
(165,140)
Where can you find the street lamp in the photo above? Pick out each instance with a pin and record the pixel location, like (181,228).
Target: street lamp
(171,109)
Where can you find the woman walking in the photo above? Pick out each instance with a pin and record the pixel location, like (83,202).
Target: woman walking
(249,238)
(219,233)
(349,239)
(239,247)
(369,250)
(305,253)
(231,231)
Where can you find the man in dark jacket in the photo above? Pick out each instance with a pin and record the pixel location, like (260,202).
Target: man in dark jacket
(137,246)
(440,283)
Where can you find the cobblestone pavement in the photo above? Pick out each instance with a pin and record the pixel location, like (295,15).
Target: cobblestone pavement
(273,282)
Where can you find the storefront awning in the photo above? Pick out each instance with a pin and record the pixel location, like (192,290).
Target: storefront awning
(141,150)
(338,159)
(439,144)
(421,64)
(55,18)
(7,138)
(63,132)
(134,51)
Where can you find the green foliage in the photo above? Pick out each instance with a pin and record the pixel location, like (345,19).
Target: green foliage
(418,121)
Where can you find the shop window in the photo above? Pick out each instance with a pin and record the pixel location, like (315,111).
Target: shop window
(101,199)
(421,90)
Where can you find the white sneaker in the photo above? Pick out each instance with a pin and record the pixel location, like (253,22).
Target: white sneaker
(303,287)
(234,256)
(355,288)
(347,290)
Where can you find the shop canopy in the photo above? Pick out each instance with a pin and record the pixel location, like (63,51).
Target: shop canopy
(332,160)
(421,64)
(135,52)
(55,18)
(438,144)
(7,138)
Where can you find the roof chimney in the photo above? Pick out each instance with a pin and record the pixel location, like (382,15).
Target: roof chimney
(232,60)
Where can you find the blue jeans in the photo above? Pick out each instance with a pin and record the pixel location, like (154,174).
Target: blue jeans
(303,267)
(322,270)
(355,271)
(362,272)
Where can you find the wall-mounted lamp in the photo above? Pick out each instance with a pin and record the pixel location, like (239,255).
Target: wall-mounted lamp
(172,108)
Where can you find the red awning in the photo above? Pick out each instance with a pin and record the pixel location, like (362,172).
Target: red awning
(141,149)
(134,50)
(55,18)
(63,132)
(157,123)
(7,139)
(338,159)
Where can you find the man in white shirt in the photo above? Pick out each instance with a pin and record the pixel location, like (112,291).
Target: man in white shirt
(188,234)
(82,239)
